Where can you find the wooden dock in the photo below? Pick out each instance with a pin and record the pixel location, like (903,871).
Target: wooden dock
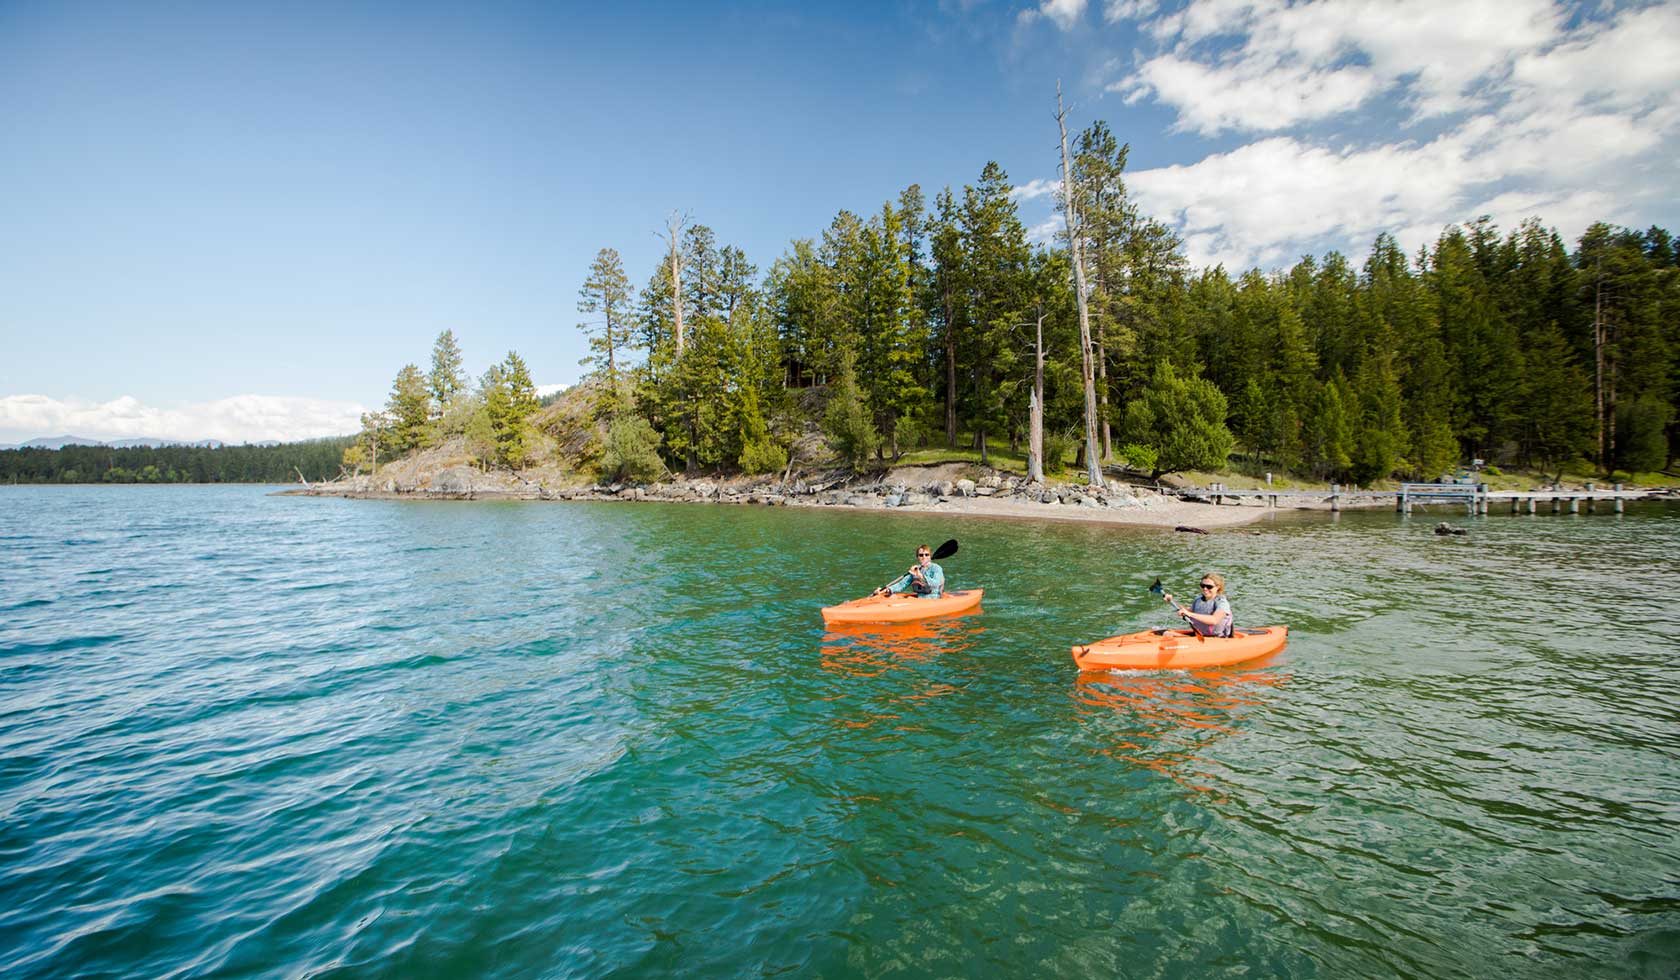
(1475,498)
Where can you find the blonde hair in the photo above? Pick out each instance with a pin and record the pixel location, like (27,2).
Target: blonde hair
(1217,579)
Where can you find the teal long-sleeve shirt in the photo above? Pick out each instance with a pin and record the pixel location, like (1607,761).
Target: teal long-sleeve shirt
(934,575)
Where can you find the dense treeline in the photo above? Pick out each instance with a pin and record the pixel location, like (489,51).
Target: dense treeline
(316,459)
(937,322)
(920,324)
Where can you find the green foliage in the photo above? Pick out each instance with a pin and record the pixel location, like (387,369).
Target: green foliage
(1060,447)
(1139,456)
(509,398)
(922,316)
(408,409)
(605,296)
(1641,434)
(446,382)
(847,424)
(632,451)
(1182,420)
(762,456)
(317,459)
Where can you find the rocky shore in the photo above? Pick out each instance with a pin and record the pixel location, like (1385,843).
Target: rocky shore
(927,489)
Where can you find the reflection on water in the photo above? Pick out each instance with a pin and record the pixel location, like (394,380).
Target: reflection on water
(854,652)
(871,649)
(1163,720)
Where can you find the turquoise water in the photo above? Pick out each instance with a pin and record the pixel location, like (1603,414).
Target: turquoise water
(246,735)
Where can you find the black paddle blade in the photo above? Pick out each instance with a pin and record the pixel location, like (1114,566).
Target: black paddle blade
(1156,588)
(945,550)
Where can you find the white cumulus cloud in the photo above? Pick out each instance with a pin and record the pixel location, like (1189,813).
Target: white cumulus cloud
(1064,13)
(239,419)
(1038,187)
(1444,110)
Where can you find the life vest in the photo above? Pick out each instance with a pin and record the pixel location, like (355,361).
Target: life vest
(1225,629)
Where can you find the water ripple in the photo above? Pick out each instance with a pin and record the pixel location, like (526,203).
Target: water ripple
(248,735)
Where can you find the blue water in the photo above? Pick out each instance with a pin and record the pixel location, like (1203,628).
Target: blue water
(247,735)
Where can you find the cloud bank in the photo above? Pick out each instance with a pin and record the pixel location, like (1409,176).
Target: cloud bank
(1336,120)
(240,419)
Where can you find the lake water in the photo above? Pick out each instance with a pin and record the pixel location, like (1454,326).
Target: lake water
(245,735)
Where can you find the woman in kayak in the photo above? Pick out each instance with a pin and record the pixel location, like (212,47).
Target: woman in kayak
(1210,612)
(924,578)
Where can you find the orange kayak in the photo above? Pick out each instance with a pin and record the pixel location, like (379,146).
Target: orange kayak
(1172,649)
(901,608)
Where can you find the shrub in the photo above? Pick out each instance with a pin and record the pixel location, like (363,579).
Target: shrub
(762,456)
(1058,448)
(847,425)
(1139,457)
(632,451)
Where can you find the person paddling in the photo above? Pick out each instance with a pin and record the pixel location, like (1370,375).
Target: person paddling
(1210,612)
(924,578)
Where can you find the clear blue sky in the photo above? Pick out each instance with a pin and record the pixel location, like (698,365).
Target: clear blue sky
(202,202)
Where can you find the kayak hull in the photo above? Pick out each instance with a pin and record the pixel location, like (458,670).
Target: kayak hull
(1168,649)
(901,608)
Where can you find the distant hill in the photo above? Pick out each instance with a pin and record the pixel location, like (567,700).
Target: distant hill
(59,442)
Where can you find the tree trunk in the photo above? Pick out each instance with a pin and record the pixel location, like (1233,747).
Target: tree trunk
(676,225)
(1035,412)
(1102,394)
(1093,465)
(950,373)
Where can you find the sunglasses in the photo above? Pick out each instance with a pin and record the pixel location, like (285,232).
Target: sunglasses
(923,554)
(1209,585)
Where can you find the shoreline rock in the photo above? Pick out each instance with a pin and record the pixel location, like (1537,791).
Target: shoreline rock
(995,495)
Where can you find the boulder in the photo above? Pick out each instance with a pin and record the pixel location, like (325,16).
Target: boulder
(965,488)
(456,479)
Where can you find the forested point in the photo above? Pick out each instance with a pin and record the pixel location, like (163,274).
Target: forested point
(937,324)
(317,459)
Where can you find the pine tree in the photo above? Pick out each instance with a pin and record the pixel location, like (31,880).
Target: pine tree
(995,256)
(409,407)
(446,380)
(605,295)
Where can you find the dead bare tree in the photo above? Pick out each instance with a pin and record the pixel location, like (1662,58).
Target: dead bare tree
(677,222)
(1093,459)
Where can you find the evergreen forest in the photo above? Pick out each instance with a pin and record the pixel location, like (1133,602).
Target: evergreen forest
(316,459)
(936,323)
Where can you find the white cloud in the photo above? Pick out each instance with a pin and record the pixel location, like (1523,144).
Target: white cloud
(1116,11)
(543,391)
(1266,65)
(242,418)
(1064,13)
(1045,232)
(1511,113)
(1251,95)
(1038,187)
